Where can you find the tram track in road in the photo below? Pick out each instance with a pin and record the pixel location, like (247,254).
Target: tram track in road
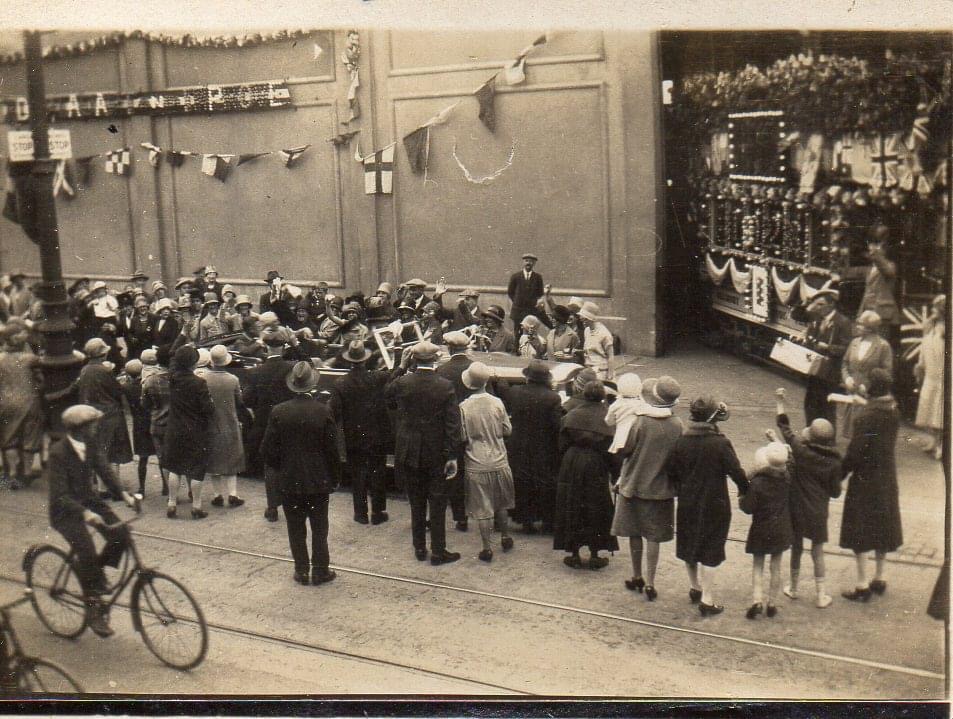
(579,611)
(312,648)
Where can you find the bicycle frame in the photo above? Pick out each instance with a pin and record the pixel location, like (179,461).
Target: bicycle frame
(8,637)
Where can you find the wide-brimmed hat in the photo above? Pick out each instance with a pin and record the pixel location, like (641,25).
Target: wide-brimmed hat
(185,301)
(80,414)
(530,322)
(302,378)
(220,356)
(574,304)
(205,358)
(425,352)
(589,311)
(164,303)
(209,269)
(210,298)
(537,371)
(242,300)
(98,285)
(495,312)
(469,292)
(869,320)
(405,305)
(95,347)
(159,285)
(76,283)
(272,276)
(416,282)
(138,275)
(355,352)
(182,281)
(475,376)
(385,287)
(456,339)
(529,256)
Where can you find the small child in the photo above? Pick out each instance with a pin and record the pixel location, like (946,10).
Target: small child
(770,533)
(815,480)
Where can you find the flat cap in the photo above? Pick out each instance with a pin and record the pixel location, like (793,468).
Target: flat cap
(80,414)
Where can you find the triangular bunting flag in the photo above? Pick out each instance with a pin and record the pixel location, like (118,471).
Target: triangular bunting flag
(441,117)
(85,167)
(63,180)
(242,159)
(358,157)
(485,96)
(118,162)
(541,40)
(379,172)
(352,100)
(515,72)
(155,153)
(216,166)
(175,158)
(417,145)
(291,155)
(920,132)
(342,138)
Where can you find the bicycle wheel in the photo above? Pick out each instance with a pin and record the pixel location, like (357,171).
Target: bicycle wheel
(35,675)
(170,621)
(57,595)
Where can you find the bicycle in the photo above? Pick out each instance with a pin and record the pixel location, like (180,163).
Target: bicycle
(22,674)
(164,612)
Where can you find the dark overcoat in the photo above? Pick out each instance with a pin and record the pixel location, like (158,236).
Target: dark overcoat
(185,449)
(427,419)
(97,386)
(266,388)
(165,335)
(71,483)
(142,445)
(698,466)
(533,449)
(871,518)
(453,371)
(357,403)
(300,444)
(767,502)
(815,480)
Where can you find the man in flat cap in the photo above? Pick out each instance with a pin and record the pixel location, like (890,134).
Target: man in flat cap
(73,464)
(829,332)
(525,290)
(427,434)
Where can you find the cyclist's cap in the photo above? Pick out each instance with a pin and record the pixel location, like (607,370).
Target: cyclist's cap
(80,414)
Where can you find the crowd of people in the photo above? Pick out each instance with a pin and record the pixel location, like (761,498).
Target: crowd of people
(610,460)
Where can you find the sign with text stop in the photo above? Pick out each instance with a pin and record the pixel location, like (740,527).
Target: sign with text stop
(20,145)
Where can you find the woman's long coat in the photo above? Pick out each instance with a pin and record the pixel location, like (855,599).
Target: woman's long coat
(699,465)
(185,450)
(97,386)
(225,452)
(871,518)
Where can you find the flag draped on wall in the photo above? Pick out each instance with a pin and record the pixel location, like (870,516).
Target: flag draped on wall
(118,162)
(884,160)
(379,172)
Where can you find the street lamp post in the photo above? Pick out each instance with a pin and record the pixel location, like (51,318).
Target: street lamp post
(58,362)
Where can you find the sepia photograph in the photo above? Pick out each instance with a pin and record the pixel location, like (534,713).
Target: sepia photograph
(423,358)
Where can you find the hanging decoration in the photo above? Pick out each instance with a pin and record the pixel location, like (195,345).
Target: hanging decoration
(884,160)
(63,180)
(515,72)
(486,96)
(291,155)
(350,58)
(208,99)
(786,291)
(760,295)
(486,179)
(217,166)
(741,280)
(379,171)
(155,153)
(716,273)
(249,157)
(808,292)
(176,158)
(116,39)
(342,138)
(84,165)
(118,162)
(417,143)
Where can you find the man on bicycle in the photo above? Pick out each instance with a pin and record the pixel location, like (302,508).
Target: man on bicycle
(73,465)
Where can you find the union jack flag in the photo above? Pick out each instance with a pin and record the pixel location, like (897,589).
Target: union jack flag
(885,160)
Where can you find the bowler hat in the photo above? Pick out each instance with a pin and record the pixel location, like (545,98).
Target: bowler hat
(138,275)
(301,379)
(80,414)
(537,371)
(475,376)
(272,276)
(820,431)
(220,356)
(495,312)
(356,352)
(425,352)
(529,256)
(95,347)
(666,392)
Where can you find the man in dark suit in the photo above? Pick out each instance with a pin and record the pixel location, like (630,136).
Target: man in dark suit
(73,465)
(428,432)
(525,290)
(300,445)
(356,404)
(457,342)
(829,332)
(265,389)
(276,299)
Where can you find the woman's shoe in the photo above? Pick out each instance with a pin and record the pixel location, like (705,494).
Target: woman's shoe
(650,593)
(859,594)
(486,555)
(824,601)
(218,501)
(573,560)
(596,562)
(636,584)
(507,543)
(170,511)
(709,610)
(199,514)
(234,501)
(878,586)
(754,610)
(789,591)
(695,595)
(771,611)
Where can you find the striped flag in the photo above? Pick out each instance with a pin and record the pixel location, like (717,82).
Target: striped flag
(291,155)
(118,162)
(379,172)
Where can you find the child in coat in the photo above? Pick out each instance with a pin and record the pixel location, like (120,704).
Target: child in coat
(770,533)
(815,480)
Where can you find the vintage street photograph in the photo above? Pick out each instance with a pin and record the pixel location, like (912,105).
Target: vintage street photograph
(523,357)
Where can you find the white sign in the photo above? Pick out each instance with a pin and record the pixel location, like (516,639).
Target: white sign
(20,143)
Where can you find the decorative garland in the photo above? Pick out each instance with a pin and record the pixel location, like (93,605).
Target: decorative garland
(486,179)
(716,273)
(741,280)
(786,290)
(116,39)
(808,292)
(827,93)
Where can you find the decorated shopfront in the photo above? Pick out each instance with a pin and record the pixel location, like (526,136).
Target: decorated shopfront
(796,161)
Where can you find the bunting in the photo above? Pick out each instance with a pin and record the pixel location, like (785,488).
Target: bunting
(808,292)
(118,162)
(417,145)
(217,166)
(486,179)
(291,155)
(741,280)
(248,157)
(515,72)
(85,167)
(175,158)
(786,291)
(379,172)
(155,153)
(485,96)
(884,161)
(716,273)
(342,138)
